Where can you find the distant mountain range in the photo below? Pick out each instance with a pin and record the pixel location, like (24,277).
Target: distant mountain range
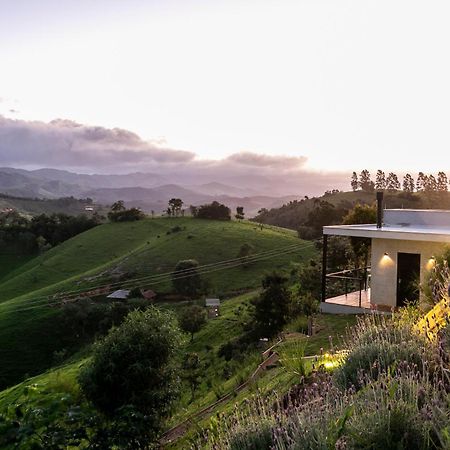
(148,191)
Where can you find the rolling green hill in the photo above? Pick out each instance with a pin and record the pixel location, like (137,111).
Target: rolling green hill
(29,332)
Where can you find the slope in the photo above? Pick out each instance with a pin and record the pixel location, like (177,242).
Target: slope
(29,332)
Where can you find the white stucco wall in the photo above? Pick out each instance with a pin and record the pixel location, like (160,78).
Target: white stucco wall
(384,268)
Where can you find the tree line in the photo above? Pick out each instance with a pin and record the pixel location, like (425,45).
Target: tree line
(41,232)
(391,182)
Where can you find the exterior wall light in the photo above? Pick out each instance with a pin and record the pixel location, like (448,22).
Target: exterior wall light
(430,263)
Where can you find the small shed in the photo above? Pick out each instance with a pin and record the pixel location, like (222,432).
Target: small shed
(120,294)
(148,294)
(213,305)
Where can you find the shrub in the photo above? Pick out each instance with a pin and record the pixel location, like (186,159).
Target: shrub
(272,306)
(378,346)
(134,365)
(126,215)
(214,210)
(186,278)
(192,319)
(436,285)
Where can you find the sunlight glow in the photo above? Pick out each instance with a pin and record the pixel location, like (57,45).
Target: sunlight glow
(318,79)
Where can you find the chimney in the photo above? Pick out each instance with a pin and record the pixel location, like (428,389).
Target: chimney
(380,209)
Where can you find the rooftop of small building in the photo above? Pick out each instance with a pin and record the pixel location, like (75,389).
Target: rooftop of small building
(406,224)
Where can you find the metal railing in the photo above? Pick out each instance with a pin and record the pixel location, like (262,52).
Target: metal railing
(357,278)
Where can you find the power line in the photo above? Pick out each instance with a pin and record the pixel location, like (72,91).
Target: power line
(45,303)
(46,300)
(168,274)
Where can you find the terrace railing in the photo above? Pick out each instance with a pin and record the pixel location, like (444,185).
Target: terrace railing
(349,280)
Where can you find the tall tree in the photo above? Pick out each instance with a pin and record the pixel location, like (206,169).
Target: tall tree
(430,184)
(118,206)
(192,319)
(361,214)
(186,278)
(408,183)
(380,180)
(273,305)
(442,182)
(239,213)
(175,204)
(392,182)
(354,182)
(364,181)
(420,183)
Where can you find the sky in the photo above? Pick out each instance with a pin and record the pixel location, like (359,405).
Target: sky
(313,85)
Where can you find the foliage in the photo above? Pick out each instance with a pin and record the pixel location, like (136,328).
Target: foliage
(306,305)
(239,213)
(324,213)
(273,305)
(392,183)
(175,205)
(29,337)
(354,182)
(134,365)
(310,279)
(361,214)
(437,280)
(380,346)
(42,231)
(380,180)
(84,318)
(245,252)
(192,368)
(63,423)
(214,210)
(408,183)
(186,278)
(365,182)
(126,215)
(192,319)
(403,407)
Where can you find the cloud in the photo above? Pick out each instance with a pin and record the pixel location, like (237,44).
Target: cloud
(270,161)
(64,143)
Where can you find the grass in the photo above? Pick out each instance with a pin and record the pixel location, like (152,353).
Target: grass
(12,262)
(43,389)
(28,337)
(276,380)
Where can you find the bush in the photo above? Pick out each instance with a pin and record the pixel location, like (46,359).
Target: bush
(272,306)
(380,346)
(134,365)
(126,215)
(214,210)
(186,278)
(192,319)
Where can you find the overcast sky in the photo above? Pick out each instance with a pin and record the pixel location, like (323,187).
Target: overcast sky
(338,85)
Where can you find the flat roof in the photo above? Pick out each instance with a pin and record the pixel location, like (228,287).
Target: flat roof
(432,225)
(403,232)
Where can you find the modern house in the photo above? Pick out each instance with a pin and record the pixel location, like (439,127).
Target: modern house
(403,245)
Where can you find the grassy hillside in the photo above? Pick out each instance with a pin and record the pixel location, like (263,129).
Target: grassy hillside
(29,332)
(57,388)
